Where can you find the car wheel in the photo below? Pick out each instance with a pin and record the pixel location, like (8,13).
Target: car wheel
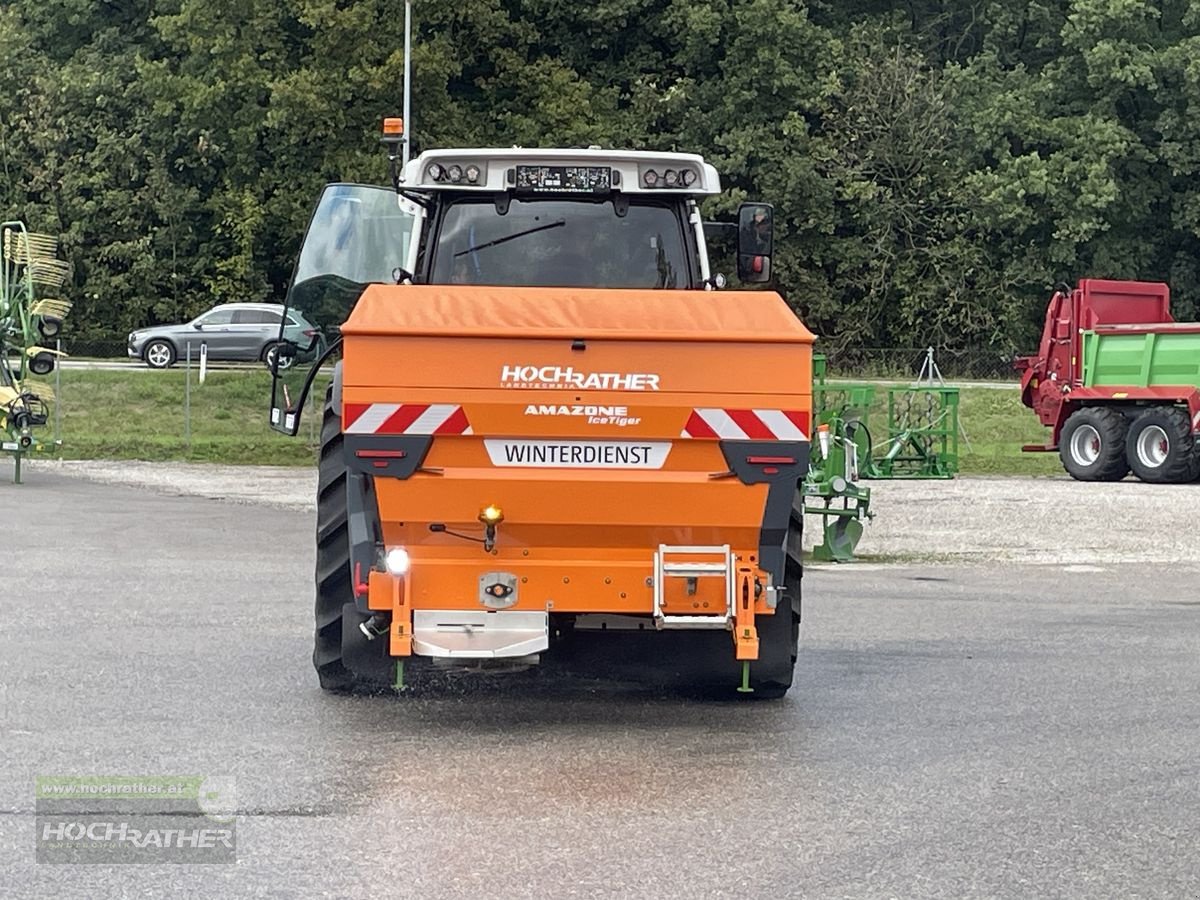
(269,356)
(159,354)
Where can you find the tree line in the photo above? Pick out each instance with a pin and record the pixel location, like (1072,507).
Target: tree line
(936,168)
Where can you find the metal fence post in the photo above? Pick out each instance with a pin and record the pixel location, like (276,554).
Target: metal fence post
(58,398)
(187,401)
(312,418)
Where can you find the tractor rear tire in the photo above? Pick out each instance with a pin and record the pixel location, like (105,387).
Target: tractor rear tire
(1092,444)
(779,635)
(334,586)
(778,641)
(1161,448)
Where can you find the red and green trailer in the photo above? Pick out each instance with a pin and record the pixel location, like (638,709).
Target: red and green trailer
(1117,380)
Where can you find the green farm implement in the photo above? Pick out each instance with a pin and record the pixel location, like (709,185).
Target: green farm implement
(31,318)
(918,440)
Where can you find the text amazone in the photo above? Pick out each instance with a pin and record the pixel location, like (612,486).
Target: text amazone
(595,415)
(579,454)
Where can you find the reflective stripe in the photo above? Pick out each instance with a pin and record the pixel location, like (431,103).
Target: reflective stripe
(780,425)
(372,418)
(405,418)
(747,424)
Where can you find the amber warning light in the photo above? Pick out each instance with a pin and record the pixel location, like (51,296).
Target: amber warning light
(393,127)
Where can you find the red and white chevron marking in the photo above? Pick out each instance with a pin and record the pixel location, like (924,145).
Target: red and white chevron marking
(404,418)
(747,424)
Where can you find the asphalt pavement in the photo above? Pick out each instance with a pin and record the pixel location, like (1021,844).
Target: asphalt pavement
(983,730)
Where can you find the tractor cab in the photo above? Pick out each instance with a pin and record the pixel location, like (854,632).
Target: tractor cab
(587,218)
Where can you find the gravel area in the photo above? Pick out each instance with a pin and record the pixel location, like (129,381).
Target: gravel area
(970,519)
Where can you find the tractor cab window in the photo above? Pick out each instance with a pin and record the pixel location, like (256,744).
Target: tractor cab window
(561,243)
(358,235)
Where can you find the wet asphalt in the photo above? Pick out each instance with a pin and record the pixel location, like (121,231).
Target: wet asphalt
(954,731)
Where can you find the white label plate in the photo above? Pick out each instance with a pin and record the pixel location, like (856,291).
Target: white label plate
(578,454)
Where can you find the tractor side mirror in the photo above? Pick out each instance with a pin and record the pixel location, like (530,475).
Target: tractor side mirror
(756,242)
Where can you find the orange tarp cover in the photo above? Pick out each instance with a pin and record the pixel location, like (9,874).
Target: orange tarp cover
(479,311)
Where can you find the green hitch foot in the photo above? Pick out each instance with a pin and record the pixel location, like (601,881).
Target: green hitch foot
(745,686)
(399,685)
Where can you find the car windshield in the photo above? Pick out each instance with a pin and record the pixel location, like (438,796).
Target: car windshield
(560,243)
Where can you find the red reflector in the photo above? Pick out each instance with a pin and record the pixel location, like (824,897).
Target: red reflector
(770,470)
(771,460)
(380,454)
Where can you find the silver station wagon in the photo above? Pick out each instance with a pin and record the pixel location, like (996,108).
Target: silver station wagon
(232,331)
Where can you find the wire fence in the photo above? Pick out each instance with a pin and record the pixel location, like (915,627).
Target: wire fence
(910,363)
(98,348)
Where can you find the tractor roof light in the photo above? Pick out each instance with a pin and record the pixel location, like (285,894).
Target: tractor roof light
(671,179)
(454,173)
(435,171)
(393,134)
(473,174)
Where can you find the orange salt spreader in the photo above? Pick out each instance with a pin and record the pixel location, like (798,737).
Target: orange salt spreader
(547,435)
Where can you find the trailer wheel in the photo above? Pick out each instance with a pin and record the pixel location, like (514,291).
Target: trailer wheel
(1160,446)
(334,588)
(1092,445)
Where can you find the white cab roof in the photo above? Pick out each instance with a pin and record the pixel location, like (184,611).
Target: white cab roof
(627,171)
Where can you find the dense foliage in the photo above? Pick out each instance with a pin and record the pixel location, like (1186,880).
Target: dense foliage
(936,168)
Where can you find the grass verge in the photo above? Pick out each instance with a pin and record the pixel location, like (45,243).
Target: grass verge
(140,414)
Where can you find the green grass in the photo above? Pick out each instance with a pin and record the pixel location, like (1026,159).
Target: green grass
(140,415)
(996,425)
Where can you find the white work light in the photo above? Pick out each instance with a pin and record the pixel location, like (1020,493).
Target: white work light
(396,561)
